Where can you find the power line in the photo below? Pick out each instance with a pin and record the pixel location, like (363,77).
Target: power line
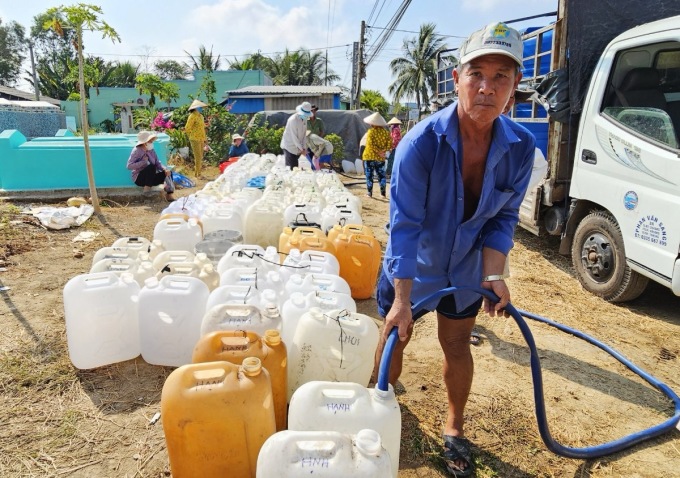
(389,29)
(409,31)
(224,55)
(375,5)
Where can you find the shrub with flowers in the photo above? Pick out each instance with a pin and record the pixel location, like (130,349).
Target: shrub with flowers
(161,122)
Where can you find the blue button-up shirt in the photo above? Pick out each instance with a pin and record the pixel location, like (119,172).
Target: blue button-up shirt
(429,240)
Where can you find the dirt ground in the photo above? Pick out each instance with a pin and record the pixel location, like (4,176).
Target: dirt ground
(59,421)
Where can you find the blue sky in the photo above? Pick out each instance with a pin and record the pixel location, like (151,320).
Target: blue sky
(151,31)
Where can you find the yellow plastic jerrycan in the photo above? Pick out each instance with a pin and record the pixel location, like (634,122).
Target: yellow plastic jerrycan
(336,230)
(216,417)
(359,258)
(290,238)
(235,345)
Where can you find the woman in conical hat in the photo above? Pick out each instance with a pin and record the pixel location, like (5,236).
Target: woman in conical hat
(195,130)
(378,143)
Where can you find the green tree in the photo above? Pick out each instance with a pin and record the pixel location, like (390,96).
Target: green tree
(97,73)
(124,75)
(300,67)
(149,84)
(171,70)
(255,61)
(416,69)
(11,52)
(205,60)
(55,55)
(373,100)
(168,93)
(82,17)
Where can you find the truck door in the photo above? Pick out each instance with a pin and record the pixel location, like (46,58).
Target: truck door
(628,152)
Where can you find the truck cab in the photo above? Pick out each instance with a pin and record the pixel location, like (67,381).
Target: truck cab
(612,191)
(625,184)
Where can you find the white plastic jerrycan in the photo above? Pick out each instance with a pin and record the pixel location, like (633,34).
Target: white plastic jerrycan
(263,223)
(117,253)
(167,257)
(221,218)
(326,260)
(140,243)
(240,317)
(170,314)
(348,408)
(334,345)
(178,234)
(317,282)
(241,255)
(324,454)
(298,304)
(234,294)
(101,319)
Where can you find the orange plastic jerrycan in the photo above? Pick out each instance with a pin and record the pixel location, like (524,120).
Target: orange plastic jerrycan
(348,229)
(359,257)
(235,345)
(290,238)
(216,417)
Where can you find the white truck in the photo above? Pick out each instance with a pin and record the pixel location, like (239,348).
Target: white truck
(612,190)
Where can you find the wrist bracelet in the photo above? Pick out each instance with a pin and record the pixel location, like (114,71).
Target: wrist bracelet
(493,277)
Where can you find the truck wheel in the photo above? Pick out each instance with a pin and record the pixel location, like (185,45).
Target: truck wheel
(600,260)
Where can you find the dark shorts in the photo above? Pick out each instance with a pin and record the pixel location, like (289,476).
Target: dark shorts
(292,160)
(446,306)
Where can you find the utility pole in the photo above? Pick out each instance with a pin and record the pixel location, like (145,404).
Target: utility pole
(361,71)
(36,87)
(355,60)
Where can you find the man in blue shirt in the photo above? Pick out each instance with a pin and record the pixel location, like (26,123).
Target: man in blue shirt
(458,180)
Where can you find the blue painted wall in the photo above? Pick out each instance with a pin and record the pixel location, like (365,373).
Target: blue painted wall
(246,105)
(59,162)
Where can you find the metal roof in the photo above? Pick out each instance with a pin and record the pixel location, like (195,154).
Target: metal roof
(24,95)
(286,89)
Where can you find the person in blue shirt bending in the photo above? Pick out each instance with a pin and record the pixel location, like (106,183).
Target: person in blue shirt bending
(238,146)
(458,180)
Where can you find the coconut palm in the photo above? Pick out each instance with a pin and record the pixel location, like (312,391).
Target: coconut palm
(300,67)
(373,100)
(205,60)
(255,61)
(124,75)
(416,69)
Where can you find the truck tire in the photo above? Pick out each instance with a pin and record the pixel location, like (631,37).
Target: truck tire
(599,258)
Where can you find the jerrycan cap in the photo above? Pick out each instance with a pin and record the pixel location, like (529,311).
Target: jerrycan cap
(251,366)
(298,299)
(127,278)
(272,337)
(151,282)
(368,441)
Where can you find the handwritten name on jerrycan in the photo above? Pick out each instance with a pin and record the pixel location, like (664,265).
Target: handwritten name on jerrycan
(348,408)
(335,345)
(324,454)
(216,417)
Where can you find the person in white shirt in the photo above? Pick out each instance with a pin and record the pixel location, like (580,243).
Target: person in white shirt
(294,140)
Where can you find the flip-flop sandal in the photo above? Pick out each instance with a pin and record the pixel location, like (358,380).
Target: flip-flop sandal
(475,338)
(457,448)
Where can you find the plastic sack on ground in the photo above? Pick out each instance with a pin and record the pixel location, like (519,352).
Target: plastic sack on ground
(63,217)
(181,181)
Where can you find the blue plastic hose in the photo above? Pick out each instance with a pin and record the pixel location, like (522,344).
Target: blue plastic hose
(537,378)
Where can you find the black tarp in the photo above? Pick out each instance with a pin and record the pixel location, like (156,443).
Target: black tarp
(349,125)
(591,25)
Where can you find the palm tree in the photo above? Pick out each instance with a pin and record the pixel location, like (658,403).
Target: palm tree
(256,61)
(205,60)
(300,67)
(124,75)
(416,70)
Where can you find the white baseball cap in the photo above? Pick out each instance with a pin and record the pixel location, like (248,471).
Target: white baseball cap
(494,39)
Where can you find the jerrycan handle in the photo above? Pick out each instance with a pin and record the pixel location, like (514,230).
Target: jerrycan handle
(99,279)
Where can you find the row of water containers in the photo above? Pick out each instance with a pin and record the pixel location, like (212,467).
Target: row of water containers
(250,331)
(289,197)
